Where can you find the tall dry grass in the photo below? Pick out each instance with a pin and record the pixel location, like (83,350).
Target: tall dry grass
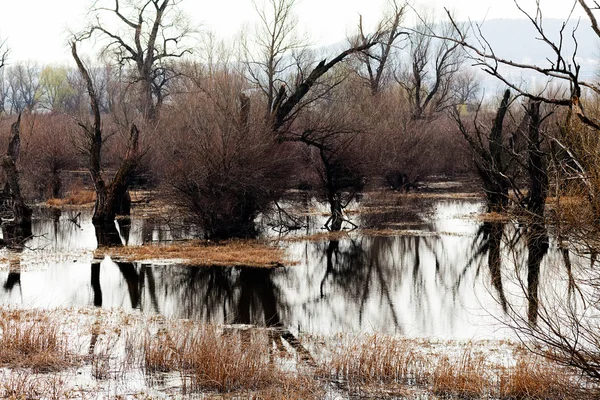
(210,359)
(466,377)
(380,359)
(532,378)
(385,367)
(36,344)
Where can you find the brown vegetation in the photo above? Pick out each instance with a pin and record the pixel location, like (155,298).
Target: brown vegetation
(211,359)
(75,198)
(251,253)
(34,342)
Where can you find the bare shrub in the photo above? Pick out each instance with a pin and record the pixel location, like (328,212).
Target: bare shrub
(224,165)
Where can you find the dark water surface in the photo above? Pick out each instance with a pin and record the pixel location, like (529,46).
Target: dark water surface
(447,276)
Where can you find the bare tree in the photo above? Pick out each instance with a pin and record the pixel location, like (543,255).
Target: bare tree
(23,87)
(111,198)
(4,51)
(149,33)
(270,58)
(428,76)
(489,154)
(375,62)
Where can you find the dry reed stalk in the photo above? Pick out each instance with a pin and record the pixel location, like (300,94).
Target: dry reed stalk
(377,364)
(534,378)
(35,344)
(465,378)
(225,362)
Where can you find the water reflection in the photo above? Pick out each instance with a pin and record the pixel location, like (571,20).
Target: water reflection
(453,278)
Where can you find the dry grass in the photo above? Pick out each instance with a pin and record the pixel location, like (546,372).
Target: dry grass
(24,385)
(232,253)
(232,362)
(226,362)
(385,367)
(378,359)
(33,343)
(534,378)
(74,198)
(466,378)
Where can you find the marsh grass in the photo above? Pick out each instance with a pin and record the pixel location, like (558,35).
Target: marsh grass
(379,359)
(34,343)
(466,377)
(188,358)
(384,367)
(250,253)
(211,359)
(74,198)
(533,378)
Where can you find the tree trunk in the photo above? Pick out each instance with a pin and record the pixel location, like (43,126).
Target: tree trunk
(21,212)
(114,199)
(537,168)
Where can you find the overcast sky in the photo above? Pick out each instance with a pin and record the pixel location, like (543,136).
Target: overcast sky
(37,29)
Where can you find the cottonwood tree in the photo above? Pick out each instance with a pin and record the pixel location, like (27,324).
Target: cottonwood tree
(55,88)
(144,35)
(112,198)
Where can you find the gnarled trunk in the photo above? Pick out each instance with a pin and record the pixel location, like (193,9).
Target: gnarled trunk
(20,227)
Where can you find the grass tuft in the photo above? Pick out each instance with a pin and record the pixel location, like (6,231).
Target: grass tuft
(35,344)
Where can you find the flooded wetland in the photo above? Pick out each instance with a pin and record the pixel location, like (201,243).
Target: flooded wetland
(428,294)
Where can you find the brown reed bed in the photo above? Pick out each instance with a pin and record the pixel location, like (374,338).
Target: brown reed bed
(250,253)
(35,342)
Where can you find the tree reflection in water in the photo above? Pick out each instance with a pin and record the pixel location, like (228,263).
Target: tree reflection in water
(425,282)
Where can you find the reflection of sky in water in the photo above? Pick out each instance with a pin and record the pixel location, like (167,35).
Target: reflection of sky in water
(432,283)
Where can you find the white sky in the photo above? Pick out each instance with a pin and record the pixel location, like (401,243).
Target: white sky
(37,29)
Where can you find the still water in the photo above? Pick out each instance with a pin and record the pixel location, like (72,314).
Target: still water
(447,275)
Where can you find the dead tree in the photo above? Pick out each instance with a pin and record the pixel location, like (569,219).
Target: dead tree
(490,160)
(21,224)
(285,107)
(536,163)
(112,198)
(157,33)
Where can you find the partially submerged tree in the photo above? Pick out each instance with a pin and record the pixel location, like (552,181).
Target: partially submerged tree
(148,33)
(20,227)
(489,155)
(112,198)
(223,161)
